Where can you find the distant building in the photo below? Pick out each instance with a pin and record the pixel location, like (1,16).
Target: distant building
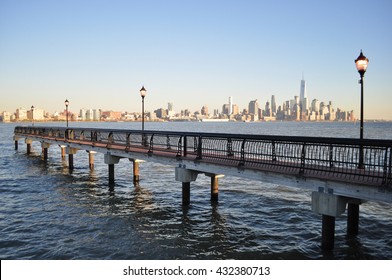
(21,114)
(5,116)
(253,107)
(273,105)
(230,105)
(204,110)
(303,101)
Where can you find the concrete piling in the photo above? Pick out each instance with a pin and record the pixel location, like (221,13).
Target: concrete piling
(16,145)
(329,206)
(352,219)
(111,160)
(28,145)
(62,151)
(328,232)
(214,185)
(186,176)
(135,171)
(45,147)
(186,193)
(70,151)
(70,162)
(45,153)
(91,159)
(111,173)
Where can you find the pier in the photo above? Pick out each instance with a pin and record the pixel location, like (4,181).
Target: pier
(340,173)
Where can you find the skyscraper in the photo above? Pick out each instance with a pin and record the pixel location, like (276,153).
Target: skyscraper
(273,104)
(230,105)
(253,107)
(302,96)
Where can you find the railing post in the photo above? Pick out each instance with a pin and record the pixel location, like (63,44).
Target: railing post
(230,147)
(273,151)
(168,142)
(185,147)
(390,167)
(303,154)
(150,149)
(199,148)
(179,147)
(330,156)
(242,161)
(385,169)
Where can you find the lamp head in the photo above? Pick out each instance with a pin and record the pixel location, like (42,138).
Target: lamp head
(143,92)
(361,63)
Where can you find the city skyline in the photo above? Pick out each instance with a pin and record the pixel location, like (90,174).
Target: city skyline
(100,54)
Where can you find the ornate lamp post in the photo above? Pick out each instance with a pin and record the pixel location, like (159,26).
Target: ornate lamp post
(66,102)
(143,92)
(32,115)
(361,63)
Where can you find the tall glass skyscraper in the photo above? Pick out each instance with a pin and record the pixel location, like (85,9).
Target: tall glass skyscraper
(302,96)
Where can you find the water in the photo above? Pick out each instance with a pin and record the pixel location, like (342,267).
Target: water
(48,213)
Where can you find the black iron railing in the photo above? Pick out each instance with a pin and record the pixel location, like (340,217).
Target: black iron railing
(333,158)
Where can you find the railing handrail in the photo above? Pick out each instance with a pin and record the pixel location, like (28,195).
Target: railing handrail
(297,139)
(367,161)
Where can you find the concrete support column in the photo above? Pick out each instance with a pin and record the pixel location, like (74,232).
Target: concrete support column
(111,173)
(70,151)
(214,185)
(45,152)
(62,151)
(328,233)
(186,176)
(91,159)
(28,147)
(352,218)
(111,160)
(16,139)
(70,162)
(136,169)
(330,206)
(186,193)
(45,147)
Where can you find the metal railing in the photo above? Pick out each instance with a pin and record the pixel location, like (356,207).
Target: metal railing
(332,158)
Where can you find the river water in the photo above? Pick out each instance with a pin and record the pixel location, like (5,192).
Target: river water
(48,213)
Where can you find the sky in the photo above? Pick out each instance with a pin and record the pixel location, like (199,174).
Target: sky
(98,54)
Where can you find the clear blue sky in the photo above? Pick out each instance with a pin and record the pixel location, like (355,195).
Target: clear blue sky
(98,54)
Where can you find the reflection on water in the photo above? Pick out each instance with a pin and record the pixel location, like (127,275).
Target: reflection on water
(47,212)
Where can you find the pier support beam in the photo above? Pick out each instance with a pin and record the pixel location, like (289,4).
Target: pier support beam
(62,151)
(136,162)
(330,206)
(111,160)
(28,147)
(214,185)
(353,217)
(16,139)
(70,151)
(45,147)
(328,232)
(91,159)
(186,176)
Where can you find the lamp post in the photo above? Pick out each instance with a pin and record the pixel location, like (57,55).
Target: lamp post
(66,102)
(361,63)
(143,92)
(32,115)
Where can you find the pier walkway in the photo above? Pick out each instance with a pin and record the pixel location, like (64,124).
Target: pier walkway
(340,172)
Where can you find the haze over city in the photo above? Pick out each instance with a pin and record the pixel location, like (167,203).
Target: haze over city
(98,54)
